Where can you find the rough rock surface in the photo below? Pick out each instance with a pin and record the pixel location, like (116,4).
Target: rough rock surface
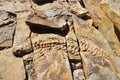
(50,59)
(7,29)
(104,24)
(22,42)
(11,68)
(59,40)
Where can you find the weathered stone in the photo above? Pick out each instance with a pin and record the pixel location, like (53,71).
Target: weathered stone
(11,68)
(36,20)
(77,9)
(95,56)
(79,74)
(113,4)
(72,45)
(104,24)
(22,43)
(29,67)
(114,17)
(7,29)
(63,39)
(15,6)
(54,16)
(50,58)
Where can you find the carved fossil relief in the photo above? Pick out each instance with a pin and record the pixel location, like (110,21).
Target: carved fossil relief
(50,57)
(95,57)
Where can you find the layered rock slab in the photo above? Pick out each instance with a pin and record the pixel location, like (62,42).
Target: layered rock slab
(74,54)
(15,6)
(72,45)
(97,58)
(113,16)
(7,29)
(50,57)
(76,8)
(103,23)
(52,15)
(11,68)
(113,5)
(22,43)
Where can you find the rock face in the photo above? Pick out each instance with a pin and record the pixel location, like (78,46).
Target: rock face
(7,29)
(22,42)
(11,68)
(104,24)
(59,40)
(50,58)
(93,52)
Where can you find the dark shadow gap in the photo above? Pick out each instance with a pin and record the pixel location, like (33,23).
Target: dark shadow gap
(6,24)
(70,64)
(97,27)
(45,30)
(12,14)
(85,17)
(2,48)
(67,1)
(82,3)
(21,53)
(73,62)
(26,74)
(117,32)
(41,2)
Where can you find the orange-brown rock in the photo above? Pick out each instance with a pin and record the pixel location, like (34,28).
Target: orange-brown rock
(76,8)
(114,17)
(11,68)
(50,58)
(15,6)
(72,45)
(103,23)
(95,57)
(7,29)
(22,43)
(59,40)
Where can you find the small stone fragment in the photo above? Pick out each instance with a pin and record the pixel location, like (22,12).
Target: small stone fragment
(77,9)
(79,74)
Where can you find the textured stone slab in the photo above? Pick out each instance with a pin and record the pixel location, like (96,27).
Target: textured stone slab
(7,29)
(22,44)
(72,45)
(36,20)
(11,68)
(114,17)
(113,5)
(74,56)
(79,74)
(29,67)
(103,23)
(15,6)
(97,58)
(55,16)
(76,8)
(50,59)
